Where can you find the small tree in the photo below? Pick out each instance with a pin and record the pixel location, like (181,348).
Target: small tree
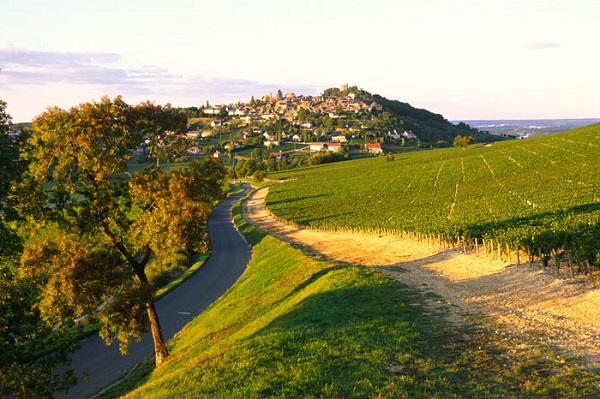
(97,228)
(463,141)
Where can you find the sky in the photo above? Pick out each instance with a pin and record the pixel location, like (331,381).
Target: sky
(464,59)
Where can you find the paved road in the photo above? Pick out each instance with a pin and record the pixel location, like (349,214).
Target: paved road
(230,255)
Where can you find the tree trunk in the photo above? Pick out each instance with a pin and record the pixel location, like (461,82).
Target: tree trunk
(160,347)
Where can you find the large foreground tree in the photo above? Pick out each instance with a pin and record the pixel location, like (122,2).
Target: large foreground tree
(96,229)
(27,369)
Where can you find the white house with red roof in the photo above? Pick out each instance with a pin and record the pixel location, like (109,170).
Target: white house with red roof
(374,148)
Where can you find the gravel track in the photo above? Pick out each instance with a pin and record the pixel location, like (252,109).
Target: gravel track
(522,300)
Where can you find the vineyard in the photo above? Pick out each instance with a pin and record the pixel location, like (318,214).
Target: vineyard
(538,197)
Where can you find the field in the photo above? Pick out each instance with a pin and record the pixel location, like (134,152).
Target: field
(296,326)
(539,193)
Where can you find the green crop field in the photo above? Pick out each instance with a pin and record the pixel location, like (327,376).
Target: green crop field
(540,192)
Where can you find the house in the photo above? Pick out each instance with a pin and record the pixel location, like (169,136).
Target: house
(377,107)
(13,134)
(194,151)
(295,137)
(409,135)
(192,135)
(374,148)
(269,136)
(339,139)
(231,146)
(218,154)
(216,123)
(276,155)
(271,143)
(395,135)
(206,134)
(240,112)
(334,147)
(212,110)
(316,146)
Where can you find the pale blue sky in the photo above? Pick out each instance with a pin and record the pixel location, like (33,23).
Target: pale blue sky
(464,59)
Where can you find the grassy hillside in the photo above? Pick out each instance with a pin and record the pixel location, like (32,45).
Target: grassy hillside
(297,327)
(542,192)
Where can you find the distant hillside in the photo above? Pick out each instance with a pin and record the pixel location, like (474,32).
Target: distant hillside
(430,127)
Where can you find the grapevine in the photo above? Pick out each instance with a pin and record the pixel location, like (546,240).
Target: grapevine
(540,193)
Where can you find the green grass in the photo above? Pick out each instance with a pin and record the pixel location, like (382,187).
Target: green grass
(298,327)
(139,167)
(543,192)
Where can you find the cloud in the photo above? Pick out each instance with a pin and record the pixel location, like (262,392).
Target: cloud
(53,59)
(24,67)
(541,45)
(36,79)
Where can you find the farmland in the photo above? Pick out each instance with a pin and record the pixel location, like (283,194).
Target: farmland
(297,326)
(540,193)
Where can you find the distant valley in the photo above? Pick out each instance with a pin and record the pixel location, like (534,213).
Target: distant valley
(531,127)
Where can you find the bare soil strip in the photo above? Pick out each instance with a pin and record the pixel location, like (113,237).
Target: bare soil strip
(525,301)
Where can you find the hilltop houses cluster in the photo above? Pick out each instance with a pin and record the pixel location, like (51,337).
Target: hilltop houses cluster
(289,107)
(271,107)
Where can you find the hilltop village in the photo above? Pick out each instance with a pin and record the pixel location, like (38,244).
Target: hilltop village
(289,106)
(328,122)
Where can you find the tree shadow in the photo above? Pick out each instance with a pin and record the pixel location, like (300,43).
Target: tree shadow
(345,335)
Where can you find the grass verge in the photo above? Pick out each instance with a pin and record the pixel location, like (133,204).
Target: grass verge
(295,326)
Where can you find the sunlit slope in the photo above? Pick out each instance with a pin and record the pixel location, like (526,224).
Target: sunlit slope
(543,192)
(297,327)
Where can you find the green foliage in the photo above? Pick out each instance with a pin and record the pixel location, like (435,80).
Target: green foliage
(541,192)
(10,166)
(109,226)
(463,141)
(26,367)
(258,177)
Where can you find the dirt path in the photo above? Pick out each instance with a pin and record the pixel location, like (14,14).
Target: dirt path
(561,313)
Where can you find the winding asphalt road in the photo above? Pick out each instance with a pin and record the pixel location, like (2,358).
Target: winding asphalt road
(104,365)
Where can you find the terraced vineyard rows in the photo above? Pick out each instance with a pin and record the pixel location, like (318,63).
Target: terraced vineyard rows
(542,193)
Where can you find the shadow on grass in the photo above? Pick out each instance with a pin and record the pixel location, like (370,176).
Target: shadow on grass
(377,340)
(134,379)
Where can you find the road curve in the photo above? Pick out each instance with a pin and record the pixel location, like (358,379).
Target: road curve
(97,366)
